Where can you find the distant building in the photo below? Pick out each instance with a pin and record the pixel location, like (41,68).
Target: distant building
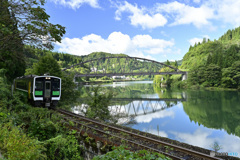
(118,77)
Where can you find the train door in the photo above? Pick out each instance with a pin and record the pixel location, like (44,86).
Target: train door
(47,89)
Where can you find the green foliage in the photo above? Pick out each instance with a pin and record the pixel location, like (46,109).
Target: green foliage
(47,64)
(214,109)
(211,63)
(7,101)
(98,101)
(198,55)
(121,153)
(43,129)
(69,93)
(208,76)
(16,117)
(24,22)
(63,147)
(32,22)
(231,35)
(216,147)
(11,46)
(164,79)
(64,60)
(231,76)
(17,145)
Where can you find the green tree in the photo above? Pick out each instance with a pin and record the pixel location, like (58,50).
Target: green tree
(227,78)
(98,101)
(231,76)
(24,22)
(11,46)
(236,70)
(47,64)
(213,75)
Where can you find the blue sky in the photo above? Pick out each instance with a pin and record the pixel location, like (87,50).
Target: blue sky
(156,29)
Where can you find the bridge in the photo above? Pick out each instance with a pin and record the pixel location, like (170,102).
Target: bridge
(124,66)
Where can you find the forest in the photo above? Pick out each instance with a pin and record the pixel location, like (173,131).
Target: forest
(212,63)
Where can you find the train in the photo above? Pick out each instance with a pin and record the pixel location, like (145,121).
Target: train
(42,90)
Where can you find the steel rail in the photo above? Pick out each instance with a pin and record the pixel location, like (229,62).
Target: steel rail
(127,140)
(181,149)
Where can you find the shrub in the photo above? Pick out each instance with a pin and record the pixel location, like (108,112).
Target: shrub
(121,152)
(17,145)
(61,147)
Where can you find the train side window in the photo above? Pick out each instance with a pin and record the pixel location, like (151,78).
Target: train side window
(39,85)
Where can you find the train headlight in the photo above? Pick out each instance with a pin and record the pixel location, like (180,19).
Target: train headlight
(48,77)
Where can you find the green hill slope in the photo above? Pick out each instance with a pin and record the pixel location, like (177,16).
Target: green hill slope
(223,52)
(215,63)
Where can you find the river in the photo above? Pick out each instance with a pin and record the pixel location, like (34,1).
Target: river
(196,117)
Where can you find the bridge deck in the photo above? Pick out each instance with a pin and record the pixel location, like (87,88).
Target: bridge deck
(128,74)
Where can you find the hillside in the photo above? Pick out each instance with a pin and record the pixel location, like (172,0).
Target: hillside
(34,54)
(110,65)
(215,63)
(223,52)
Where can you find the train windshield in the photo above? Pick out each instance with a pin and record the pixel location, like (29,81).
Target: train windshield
(56,84)
(39,85)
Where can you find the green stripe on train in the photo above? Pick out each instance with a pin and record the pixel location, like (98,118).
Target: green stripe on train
(38,93)
(55,93)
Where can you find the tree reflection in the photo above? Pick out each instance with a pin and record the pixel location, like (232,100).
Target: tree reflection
(215,109)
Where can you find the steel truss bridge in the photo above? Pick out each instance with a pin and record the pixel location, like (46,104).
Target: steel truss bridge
(123,66)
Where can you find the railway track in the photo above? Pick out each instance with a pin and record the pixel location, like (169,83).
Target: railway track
(110,134)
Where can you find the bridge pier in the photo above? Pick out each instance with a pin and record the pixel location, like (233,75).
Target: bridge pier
(184,76)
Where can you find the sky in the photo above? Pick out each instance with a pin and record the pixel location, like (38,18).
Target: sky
(155,29)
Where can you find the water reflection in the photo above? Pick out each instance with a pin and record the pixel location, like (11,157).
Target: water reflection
(134,99)
(215,109)
(196,117)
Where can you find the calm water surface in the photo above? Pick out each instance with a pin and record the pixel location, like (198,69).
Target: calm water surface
(198,118)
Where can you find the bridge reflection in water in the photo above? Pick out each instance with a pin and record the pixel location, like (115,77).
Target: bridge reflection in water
(126,109)
(141,106)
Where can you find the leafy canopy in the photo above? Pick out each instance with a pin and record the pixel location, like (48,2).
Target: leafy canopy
(47,64)
(24,22)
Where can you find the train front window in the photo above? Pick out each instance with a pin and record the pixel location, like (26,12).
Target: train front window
(56,85)
(39,85)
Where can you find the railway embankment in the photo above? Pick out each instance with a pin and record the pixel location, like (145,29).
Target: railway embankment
(95,132)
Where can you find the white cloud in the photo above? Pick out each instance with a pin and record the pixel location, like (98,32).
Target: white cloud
(155,132)
(226,10)
(140,45)
(178,13)
(199,138)
(203,138)
(140,16)
(149,117)
(196,40)
(185,14)
(74,4)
